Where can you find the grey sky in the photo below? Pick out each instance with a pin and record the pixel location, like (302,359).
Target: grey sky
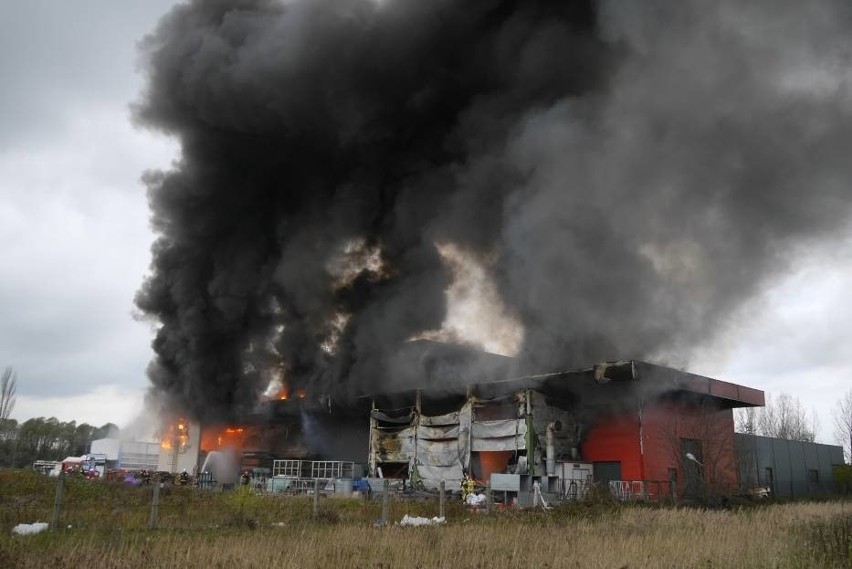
(74,233)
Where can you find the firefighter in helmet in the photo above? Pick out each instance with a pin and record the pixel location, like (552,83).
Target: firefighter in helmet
(468,486)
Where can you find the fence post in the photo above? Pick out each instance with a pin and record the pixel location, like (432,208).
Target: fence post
(316,497)
(155,504)
(441,500)
(57,501)
(673,484)
(488,498)
(385,501)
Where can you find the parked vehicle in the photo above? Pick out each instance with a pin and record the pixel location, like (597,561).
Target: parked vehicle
(48,467)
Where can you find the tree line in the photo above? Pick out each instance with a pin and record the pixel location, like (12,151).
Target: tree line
(21,444)
(47,439)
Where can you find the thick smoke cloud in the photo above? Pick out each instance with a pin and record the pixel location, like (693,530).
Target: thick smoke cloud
(633,172)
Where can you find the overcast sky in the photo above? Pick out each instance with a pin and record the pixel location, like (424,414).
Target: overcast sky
(75,236)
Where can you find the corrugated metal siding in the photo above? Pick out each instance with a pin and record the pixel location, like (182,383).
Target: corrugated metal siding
(790,462)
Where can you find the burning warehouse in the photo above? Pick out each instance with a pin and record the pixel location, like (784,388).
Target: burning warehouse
(564,182)
(460,414)
(624,420)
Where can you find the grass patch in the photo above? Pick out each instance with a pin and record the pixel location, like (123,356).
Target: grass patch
(825,542)
(241,529)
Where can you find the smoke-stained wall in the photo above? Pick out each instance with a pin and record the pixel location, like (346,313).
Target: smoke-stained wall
(629,174)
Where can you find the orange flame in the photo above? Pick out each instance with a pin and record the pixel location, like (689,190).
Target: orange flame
(285,394)
(176,433)
(215,437)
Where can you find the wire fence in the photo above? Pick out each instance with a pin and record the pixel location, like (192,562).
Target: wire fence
(174,503)
(111,505)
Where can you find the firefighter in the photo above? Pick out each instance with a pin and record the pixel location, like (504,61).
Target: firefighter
(468,486)
(183,479)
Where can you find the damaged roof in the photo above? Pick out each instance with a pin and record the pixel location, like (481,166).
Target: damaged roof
(443,370)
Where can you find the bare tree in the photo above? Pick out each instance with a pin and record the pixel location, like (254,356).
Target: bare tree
(745,420)
(8,385)
(843,424)
(784,417)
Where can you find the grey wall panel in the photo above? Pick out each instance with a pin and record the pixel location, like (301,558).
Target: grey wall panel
(790,462)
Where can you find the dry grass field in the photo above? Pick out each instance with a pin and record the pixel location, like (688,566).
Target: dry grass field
(246,530)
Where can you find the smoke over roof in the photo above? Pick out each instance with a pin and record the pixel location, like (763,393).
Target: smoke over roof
(627,173)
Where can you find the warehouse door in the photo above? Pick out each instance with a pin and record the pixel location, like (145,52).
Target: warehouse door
(605,472)
(693,467)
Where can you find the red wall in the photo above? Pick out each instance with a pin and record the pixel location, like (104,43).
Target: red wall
(615,438)
(662,426)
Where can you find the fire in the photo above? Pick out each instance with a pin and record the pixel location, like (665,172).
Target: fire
(219,437)
(176,435)
(284,393)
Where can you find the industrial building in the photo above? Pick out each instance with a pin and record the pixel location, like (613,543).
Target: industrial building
(644,430)
(649,429)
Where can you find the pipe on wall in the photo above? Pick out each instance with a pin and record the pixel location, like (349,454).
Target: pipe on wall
(550,446)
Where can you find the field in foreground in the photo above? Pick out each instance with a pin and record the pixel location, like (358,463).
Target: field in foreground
(600,535)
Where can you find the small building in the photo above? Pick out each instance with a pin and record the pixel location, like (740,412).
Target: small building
(127,455)
(786,468)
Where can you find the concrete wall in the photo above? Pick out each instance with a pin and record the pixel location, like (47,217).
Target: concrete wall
(797,468)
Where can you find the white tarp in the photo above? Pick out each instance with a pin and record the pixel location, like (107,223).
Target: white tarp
(499,443)
(438,433)
(438,420)
(505,434)
(474,499)
(465,420)
(416,521)
(29,529)
(502,428)
(432,476)
(438,453)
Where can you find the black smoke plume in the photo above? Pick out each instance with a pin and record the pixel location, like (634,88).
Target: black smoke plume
(632,171)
